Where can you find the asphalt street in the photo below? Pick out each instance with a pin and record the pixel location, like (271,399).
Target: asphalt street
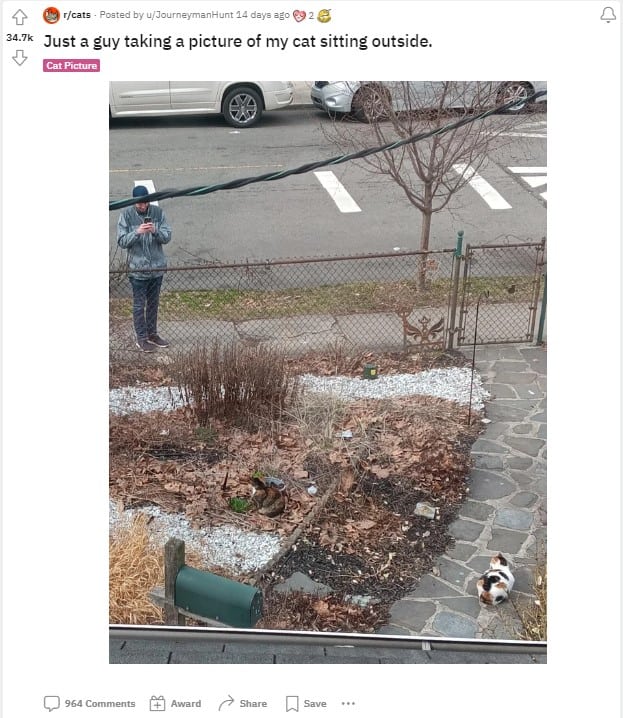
(309,215)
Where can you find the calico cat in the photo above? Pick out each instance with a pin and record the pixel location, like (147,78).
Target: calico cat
(496,583)
(268,500)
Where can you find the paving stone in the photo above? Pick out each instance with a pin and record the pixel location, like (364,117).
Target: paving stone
(469,605)
(529,391)
(455,625)
(485,485)
(536,357)
(494,352)
(500,412)
(505,625)
(453,572)
(541,416)
(524,499)
(463,530)
(494,430)
(516,378)
(518,462)
(517,519)
(525,445)
(475,510)
(522,478)
(485,446)
(501,391)
(488,461)
(461,551)
(479,564)
(542,432)
(505,541)
(413,614)
(430,587)
(300,581)
(524,579)
(518,364)
(522,429)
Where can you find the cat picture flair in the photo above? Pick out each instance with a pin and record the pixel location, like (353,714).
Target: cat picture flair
(496,582)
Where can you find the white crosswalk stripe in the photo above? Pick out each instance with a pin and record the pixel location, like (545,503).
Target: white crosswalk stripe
(533,176)
(337,192)
(491,196)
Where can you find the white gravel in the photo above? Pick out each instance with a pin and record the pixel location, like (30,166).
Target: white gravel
(224,546)
(453,384)
(242,551)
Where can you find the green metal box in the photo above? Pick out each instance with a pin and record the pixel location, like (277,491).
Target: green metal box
(217,598)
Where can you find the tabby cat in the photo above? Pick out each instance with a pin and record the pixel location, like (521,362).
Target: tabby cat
(268,500)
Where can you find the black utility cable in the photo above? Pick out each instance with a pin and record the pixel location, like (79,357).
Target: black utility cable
(311,166)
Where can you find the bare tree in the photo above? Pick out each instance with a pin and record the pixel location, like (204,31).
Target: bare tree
(432,170)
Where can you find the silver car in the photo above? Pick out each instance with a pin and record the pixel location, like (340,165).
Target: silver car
(240,103)
(340,97)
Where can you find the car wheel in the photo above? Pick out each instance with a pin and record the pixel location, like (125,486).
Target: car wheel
(515,91)
(242,107)
(371,103)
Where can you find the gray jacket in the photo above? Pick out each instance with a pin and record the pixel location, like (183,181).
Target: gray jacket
(144,250)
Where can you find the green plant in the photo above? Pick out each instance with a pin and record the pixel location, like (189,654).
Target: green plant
(239,505)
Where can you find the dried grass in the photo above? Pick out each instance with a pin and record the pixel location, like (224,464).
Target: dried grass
(533,613)
(136,566)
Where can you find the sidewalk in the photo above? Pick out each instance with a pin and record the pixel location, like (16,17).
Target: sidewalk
(506,511)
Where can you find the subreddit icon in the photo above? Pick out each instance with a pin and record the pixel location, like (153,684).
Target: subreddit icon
(324,15)
(51,15)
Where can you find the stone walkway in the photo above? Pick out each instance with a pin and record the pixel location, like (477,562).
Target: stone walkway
(506,511)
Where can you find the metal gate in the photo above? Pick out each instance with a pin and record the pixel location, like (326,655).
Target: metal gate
(500,293)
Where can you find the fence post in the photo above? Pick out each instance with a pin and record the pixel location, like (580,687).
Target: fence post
(454,292)
(174,558)
(539,338)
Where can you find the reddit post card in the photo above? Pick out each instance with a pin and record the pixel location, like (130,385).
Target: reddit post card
(276,352)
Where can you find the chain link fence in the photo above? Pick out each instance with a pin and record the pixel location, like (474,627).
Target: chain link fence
(372,302)
(505,282)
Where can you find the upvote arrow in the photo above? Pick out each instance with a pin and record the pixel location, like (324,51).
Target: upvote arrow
(19,57)
(19,16)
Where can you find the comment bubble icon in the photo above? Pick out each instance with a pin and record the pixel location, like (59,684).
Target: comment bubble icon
(52,703)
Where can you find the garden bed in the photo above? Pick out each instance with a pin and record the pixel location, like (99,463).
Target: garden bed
(355,472)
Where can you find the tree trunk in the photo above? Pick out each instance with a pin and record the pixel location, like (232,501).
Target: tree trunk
(424,240)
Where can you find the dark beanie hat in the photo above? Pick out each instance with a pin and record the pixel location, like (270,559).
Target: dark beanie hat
(140,191)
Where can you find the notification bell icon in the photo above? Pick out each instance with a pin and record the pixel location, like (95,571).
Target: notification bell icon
(608,14)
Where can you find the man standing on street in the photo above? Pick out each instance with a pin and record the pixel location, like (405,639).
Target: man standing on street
(142,229)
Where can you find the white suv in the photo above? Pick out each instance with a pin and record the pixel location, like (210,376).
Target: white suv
(240,103)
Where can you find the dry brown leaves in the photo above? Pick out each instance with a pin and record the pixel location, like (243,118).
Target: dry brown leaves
(361,537)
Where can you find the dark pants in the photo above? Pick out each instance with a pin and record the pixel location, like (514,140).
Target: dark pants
(145,308)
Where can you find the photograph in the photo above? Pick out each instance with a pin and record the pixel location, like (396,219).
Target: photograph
(328,371)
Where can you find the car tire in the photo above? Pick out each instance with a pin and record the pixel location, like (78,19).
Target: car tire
(371,103)
(514,91)
(242,107)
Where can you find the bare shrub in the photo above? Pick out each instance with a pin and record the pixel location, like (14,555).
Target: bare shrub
(236,383)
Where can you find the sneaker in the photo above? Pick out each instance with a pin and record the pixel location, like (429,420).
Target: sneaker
(145,346)
(158,341)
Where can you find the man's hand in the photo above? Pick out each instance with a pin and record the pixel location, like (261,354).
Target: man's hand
(146,228)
